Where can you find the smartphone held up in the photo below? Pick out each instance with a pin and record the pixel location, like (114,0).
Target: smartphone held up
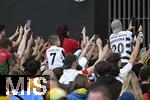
(28,24)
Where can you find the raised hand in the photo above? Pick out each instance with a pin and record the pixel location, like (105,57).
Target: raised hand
(30,41)
(26,31)
(140,28)
(37,41)
(84,31)
(84,35)
(139,39)
(99,42)
(44,47)
(21,30)
(17,31)
(41,43)
(90,42)
(130,27)
(92,39)
(15,34)
(106,48)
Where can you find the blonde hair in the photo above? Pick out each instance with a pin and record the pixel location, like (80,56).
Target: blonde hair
(131,83)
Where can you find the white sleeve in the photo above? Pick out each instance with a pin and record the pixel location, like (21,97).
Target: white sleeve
(125,70)
(78,52)
(80,72)
(110,37)
(130,34)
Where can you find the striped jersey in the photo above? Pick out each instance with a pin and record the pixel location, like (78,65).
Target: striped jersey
(121,43)
(55,56)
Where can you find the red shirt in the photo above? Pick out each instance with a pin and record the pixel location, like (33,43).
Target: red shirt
(146,96)
(5,55)
(70,45)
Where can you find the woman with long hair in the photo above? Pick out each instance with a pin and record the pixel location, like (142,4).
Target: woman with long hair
(131,85)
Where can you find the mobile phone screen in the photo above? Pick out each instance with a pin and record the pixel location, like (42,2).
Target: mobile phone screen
(28,24)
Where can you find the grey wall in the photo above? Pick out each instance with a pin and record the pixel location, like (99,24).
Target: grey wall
(101,19)
(45,14)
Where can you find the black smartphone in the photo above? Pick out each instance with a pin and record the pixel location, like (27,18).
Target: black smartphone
(28,24)
(133,21)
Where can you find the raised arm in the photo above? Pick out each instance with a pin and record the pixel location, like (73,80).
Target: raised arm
(41,43)
(127,68)
(29,46)
(95,54)
(84,51)
(130,27)
(136,49)
(101,56)
(84,35)
(90,52)
(39,55)
(16,43)
(27,50)
(22,45)
(36,48)
(15,34)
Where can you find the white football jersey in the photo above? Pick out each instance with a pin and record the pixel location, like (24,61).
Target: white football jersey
(121,42)
(55,56)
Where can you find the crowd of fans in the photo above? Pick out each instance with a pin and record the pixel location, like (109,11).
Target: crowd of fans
(79,70)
